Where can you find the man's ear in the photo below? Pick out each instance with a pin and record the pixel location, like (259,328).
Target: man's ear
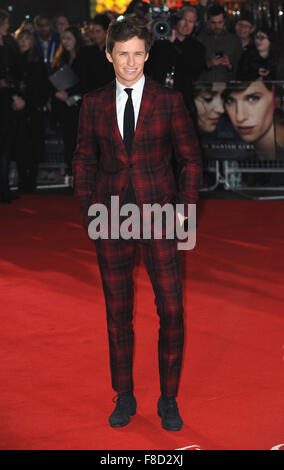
(108,56)
(147,55)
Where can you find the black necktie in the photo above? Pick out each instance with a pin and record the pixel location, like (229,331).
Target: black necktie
(128,121)
(128,133)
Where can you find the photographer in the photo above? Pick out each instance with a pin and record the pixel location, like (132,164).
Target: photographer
(179,59)
(10,84)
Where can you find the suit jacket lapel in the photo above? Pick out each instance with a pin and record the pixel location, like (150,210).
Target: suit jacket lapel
(146,109)
(109,120)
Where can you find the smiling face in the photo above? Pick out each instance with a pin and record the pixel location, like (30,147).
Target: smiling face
(128,58)
(244,30)
(251,111)
(209,107)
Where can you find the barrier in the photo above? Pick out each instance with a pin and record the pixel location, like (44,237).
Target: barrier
(229,173)
(246,167)
(51,172)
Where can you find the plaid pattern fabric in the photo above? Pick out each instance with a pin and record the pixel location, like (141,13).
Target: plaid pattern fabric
(116,261)
(102,168)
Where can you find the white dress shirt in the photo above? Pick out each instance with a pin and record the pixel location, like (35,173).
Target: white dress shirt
(121,98)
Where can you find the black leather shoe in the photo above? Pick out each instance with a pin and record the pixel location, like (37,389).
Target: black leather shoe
(168,411)
(125,407)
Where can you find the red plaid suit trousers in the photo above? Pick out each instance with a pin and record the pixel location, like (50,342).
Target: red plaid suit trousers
(116,260)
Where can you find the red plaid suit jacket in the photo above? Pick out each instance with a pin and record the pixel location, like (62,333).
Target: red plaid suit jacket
(102,167)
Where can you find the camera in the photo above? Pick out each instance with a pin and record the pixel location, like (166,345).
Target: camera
(163,21)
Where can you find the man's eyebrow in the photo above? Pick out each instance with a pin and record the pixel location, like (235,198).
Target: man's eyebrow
(122,50)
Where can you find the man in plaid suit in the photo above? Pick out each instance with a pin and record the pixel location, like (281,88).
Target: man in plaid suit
(110,161)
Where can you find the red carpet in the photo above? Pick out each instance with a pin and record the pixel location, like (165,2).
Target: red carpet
(55,388)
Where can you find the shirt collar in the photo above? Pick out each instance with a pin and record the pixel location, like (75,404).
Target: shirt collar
(138,86)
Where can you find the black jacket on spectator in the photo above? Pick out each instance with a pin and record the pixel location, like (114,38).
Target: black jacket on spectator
(11,68)
(251,62)
(36,83)
(11,76)
(98,71)
(28,145)
(187,57)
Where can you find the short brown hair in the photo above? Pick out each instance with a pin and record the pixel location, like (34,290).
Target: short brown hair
(123,30)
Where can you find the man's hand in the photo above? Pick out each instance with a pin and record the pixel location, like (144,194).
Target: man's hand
(18,103)
(226,62)
(219,60)
(215,60)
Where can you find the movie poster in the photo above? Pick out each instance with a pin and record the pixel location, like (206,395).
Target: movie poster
(240,120)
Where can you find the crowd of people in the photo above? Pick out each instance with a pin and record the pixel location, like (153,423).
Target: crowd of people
(203,47)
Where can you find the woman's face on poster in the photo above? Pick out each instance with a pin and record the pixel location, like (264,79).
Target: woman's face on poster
(251,111)
(209,107)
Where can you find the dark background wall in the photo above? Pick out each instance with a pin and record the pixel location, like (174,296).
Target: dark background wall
(76,10)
